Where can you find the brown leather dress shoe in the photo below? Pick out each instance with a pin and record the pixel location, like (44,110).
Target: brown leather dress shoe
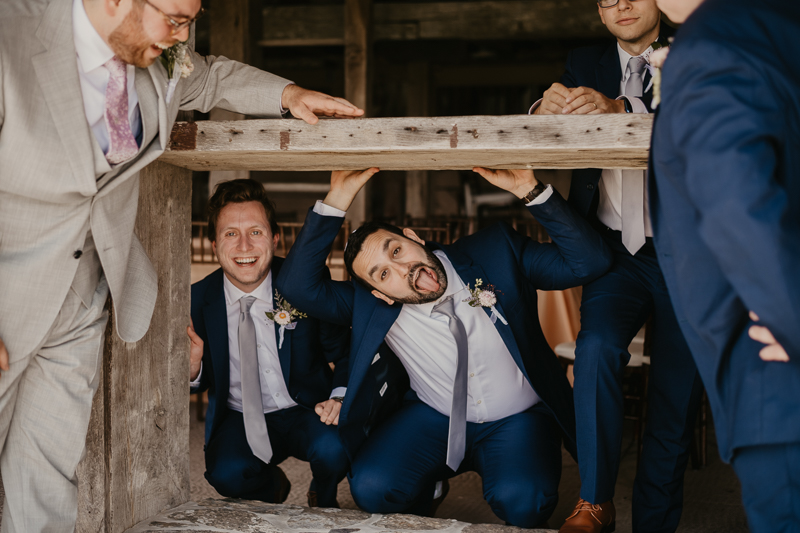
(591,518)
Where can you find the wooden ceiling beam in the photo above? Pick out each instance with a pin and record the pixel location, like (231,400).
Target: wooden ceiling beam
(414,143)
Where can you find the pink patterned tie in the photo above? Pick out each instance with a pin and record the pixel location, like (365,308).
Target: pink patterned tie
(121,142)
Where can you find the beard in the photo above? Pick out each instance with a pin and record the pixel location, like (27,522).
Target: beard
(419,297)
(128,40)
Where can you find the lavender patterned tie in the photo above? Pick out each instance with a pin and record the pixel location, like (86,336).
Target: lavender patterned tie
(121,142)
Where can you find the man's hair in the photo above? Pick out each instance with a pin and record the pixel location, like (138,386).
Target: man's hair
(238,192)
(357,239)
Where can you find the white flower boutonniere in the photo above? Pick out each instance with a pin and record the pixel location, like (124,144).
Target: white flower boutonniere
(655,64)
(178,62)
(284,315)
(484,297)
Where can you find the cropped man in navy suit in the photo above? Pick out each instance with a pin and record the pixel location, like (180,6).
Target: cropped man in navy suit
(487,393)
(271,390)
(613,78)
(725,198)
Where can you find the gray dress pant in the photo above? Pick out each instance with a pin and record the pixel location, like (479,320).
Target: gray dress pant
(45,405)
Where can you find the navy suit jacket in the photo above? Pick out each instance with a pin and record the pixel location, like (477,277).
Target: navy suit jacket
(304,356)
(514,264)
(598,68)
(725,199)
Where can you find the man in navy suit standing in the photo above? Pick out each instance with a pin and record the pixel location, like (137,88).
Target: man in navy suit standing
(271,390)
(487,394)
(614,78)
(725,198)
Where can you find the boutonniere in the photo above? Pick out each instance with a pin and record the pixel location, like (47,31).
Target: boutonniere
(655,63)
(284,315)
(482,296)
(178,62)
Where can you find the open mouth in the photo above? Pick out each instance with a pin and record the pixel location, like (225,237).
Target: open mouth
(244,261)
(425,280)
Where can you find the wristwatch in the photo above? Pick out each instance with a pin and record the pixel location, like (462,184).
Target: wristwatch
(536,191)
(628,106)
(339,399)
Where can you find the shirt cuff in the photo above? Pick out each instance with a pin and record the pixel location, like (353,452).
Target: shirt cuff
(636,104)
(338,392)
(280,100)
(542,198)
(326,210)
(536,104)
(196,382)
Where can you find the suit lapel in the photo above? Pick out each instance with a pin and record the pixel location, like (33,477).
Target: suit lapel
(285,351)
(469,272)
(215,314)
(148,104)
(379,318)
(609,72)
(158,76)
(57,71)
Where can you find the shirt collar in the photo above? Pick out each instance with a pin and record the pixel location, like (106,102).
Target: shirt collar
(454,285)
(233,294)
(93,52)
(624,57)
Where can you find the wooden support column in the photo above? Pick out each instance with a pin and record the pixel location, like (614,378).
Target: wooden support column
(417,100)
(137,460)
(236,26)
(357,66)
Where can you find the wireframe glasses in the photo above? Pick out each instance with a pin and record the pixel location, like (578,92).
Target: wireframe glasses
(177,27)
(609,3)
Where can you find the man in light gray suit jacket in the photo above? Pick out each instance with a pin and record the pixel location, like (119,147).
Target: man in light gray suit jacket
(84,105)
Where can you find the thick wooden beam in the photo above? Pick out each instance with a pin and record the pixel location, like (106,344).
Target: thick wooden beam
(357,87)
(432,143)
(482,20)
(137,461)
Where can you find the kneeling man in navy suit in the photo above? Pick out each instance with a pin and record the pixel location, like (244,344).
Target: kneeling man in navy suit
(271,391)
(460,324)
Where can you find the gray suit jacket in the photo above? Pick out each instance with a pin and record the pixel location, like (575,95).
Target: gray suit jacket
(55,184)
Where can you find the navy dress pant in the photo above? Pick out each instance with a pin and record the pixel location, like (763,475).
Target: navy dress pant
(770,477)
(613,309)
(233,470)
(518,458)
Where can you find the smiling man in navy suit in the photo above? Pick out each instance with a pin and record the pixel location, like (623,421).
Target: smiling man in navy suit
(725,198)
(487,394)
(271,390)
(613,78)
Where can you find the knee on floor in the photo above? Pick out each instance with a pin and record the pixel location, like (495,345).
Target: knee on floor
(374,493)
(522,505)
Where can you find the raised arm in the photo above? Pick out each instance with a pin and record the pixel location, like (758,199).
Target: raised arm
(302,279)
(577,254)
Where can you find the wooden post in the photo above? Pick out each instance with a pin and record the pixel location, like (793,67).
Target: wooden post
(418,97)
(137,461)
(236,27)
(357,63)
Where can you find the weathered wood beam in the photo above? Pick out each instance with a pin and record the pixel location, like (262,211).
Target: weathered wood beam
(431,143)
(484,20)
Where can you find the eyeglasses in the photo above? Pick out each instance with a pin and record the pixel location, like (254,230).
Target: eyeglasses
(177,27)
(609,3)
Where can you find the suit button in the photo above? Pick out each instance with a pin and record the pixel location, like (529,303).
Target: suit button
(77,254)
(590,186)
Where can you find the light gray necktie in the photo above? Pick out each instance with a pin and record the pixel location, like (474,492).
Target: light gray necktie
(457,435)
(255,427)
(633,236)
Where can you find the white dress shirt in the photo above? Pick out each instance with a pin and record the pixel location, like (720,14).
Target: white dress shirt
(426,347)
(609,207)
(93,53)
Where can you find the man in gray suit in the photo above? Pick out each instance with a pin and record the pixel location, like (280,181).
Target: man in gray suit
(84,105)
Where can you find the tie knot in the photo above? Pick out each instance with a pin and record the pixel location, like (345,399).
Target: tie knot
(246,302)
(636,64)
(116,67)
(446,307)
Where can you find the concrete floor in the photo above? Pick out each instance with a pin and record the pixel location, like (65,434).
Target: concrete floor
(712,495)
